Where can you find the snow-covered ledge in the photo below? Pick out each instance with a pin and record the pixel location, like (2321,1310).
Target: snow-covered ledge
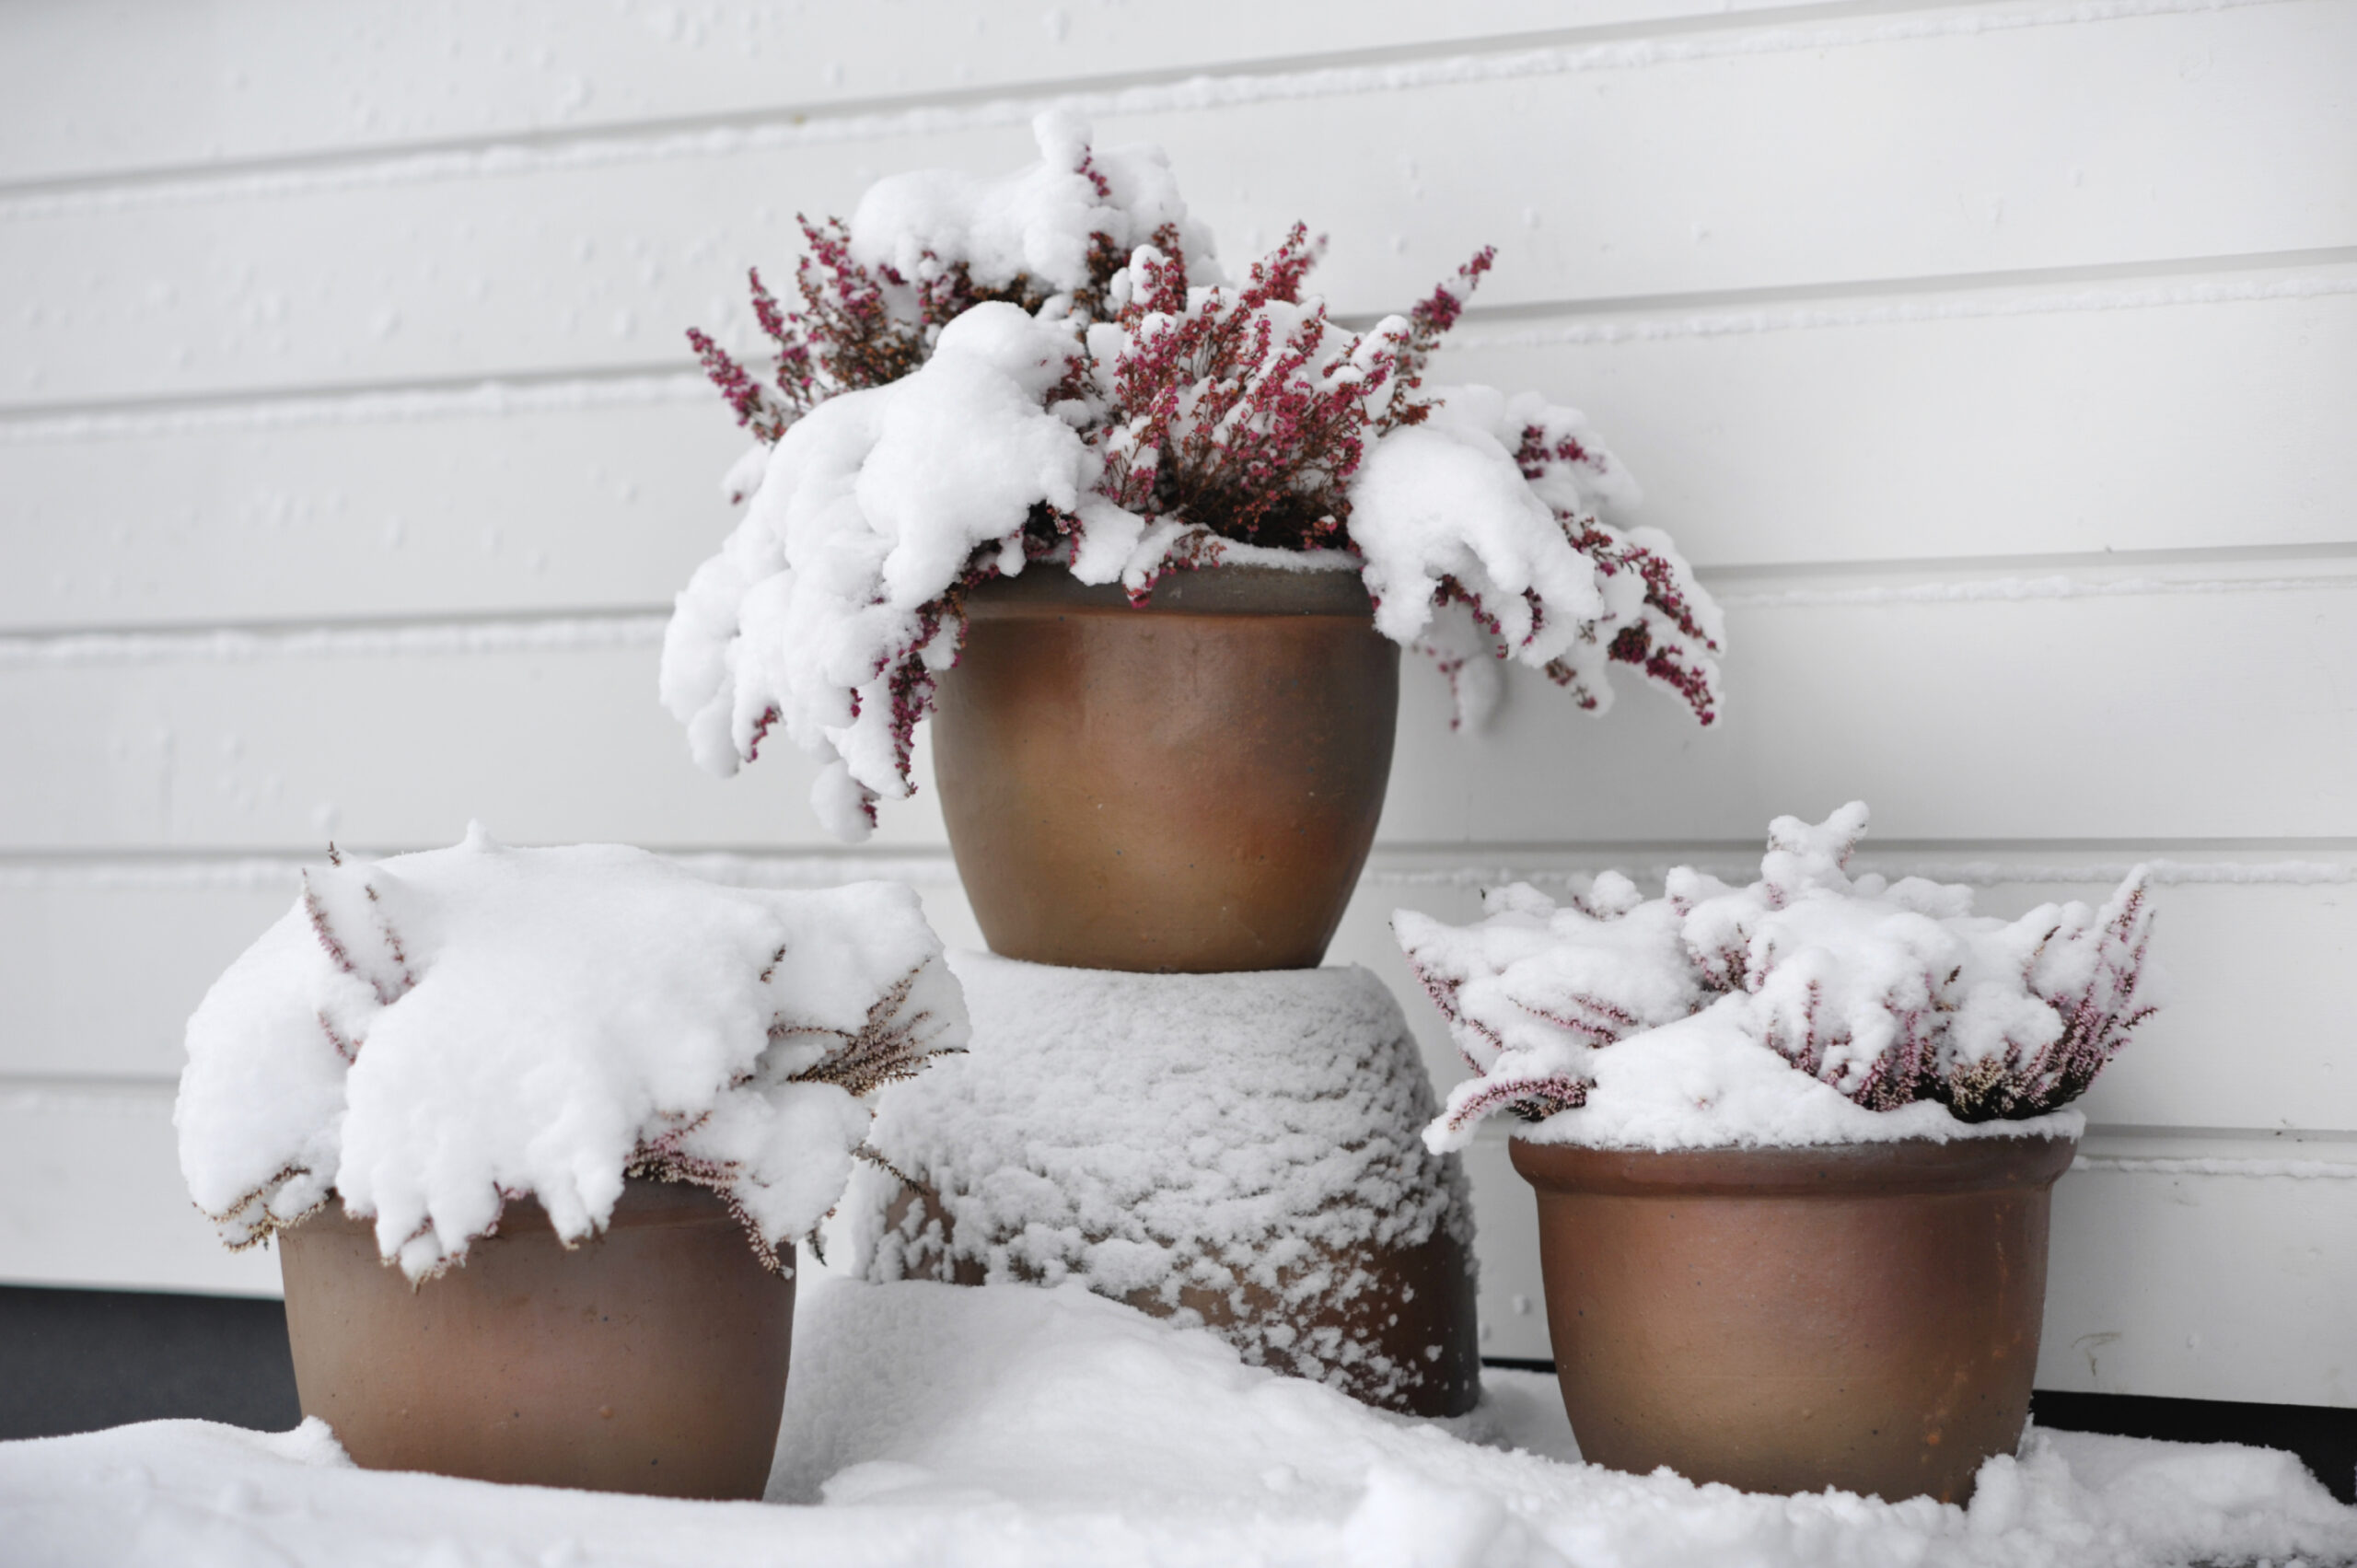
(931,1423)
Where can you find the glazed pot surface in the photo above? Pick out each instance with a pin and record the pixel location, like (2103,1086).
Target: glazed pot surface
(650,1359)
(1188,787)
(1861,1316)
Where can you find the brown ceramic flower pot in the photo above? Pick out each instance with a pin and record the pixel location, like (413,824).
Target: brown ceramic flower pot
(1191,787)
(1859,1316)
(650,1359)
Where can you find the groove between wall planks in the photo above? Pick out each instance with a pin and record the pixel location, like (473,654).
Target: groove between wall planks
(382,282)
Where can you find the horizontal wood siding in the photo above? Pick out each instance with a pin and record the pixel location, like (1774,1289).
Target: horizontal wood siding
(1994,361)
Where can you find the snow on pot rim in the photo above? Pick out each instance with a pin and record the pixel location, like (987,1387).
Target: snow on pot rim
(1707,1082)
(1806,1009)
(432,1035)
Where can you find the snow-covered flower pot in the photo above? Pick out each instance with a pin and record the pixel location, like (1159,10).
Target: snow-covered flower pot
(576,1106)
(1794,1145)
(1234,1151)
(1048,373)
(1190,785)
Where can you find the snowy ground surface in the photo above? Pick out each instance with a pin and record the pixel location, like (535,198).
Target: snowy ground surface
(932,1424)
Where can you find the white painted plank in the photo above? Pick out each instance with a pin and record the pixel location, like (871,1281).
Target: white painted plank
(542,747)
(95,983)
(88,89)
(2004,423)
(97,974)
(2204,1287)
(2099,426)
(1980,718)
(1992,719)
(2181,134)
(602,506)
(1512,1296)
(90,1195)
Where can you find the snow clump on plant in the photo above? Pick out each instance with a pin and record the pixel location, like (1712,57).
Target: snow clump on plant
(434,1035)
(1810,1006)
(1051,368)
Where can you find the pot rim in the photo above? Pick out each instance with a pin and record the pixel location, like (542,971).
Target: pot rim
(1044,588)
(1896,1166)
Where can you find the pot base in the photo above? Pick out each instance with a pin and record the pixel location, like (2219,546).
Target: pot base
(650,1359)
(1863,1316)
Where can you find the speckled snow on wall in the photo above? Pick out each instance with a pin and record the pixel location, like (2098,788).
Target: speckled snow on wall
(1994,361)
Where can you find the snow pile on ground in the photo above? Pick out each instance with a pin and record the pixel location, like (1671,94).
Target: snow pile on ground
(1679,1022)
(938,1424)
(1109,429)
(433,1034)
(1243,1143)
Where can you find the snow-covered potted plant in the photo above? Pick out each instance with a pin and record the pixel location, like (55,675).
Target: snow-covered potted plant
(1794,1145)
(1146,540)
(537,1131)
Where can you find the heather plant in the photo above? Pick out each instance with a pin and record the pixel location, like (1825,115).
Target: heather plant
(1893,994)
(1052,368)
(431,1037)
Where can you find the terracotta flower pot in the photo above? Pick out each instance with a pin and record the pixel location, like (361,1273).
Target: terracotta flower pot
(651,1359)
(1191,787)
(1860,1316)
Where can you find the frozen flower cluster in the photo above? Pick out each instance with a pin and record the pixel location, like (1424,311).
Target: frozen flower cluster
(1681,1020)
(1051,368)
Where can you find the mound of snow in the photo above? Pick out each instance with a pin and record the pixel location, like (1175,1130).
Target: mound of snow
(1809,1007)
(433,1034)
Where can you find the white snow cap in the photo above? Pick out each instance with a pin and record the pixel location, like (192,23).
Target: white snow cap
(1036,222)
(1679,1022)
(431,1035)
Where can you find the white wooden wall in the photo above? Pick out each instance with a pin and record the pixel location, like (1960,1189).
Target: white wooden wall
(1997,362)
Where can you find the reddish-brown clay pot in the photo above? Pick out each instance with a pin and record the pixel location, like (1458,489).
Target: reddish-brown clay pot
(1190,786)
(651,1359)
(1860,1316)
